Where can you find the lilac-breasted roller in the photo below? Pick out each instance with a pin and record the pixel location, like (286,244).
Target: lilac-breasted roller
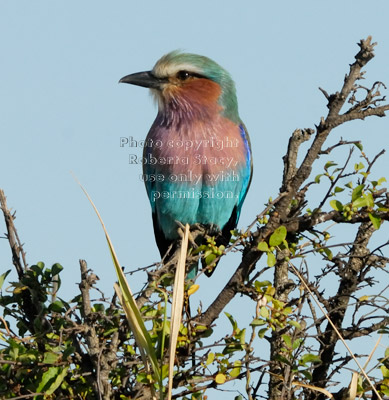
(197,163)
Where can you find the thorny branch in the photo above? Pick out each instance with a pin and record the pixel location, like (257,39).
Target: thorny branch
(18,254)
(295,176)
(283,213)
(87,282)
(19,261)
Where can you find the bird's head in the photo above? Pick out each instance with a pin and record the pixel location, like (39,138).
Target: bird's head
(189,84)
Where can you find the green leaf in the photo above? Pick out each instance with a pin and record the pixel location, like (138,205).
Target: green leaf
(295,324)
(3,277)
(262,246)
(68,352)
(361,202)
(358,167)
(98,307)
(328,253)
(287,310)
(57,382)
(317,178)
(262,332)
(49,379)
(264,312)
(385,390)
(369,200)
(296,344)
(36,269)
(349,185)
(310,358)
(338,189)
(230,349)
(283,359)
(210,259)
(306,374)
(242,336)
(236,371)
(329,164)
(357,192)
(278,304)
(381,180)
(278,236)
(210,358)
(288,341)
(221,249)
(375,220)
(258,322)
(232,321)
(56,269)
(142,377)
(271,259)
(359,145)
(194,396)
(56,306)
(261,284)
(165,371)
(40,264)
(200,328)
(336,205)
(50,358)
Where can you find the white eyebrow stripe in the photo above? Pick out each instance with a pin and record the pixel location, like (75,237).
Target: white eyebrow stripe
(166,70)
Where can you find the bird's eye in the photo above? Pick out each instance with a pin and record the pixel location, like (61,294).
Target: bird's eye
(183,75)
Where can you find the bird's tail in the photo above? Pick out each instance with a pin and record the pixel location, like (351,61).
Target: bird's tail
(193,270)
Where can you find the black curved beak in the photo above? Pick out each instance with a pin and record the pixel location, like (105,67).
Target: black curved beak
(145,79)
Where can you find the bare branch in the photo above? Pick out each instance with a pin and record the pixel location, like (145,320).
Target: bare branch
(18,254)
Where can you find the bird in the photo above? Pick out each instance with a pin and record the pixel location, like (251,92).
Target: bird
(197,158)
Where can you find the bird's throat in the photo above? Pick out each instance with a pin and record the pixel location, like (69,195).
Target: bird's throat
(194,101)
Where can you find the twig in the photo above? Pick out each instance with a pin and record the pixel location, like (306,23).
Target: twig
(18,254)
(292,182)
(87,282)
(335,181)
(340,143)
(302,280)
(26,396)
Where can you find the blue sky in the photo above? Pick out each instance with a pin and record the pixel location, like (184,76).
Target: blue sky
(62,109)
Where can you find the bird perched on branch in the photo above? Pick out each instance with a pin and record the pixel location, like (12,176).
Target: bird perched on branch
(197,162)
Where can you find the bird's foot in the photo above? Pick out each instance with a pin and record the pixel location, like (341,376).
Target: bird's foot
(181,229)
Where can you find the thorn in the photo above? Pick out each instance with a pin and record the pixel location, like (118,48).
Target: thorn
(325,93)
